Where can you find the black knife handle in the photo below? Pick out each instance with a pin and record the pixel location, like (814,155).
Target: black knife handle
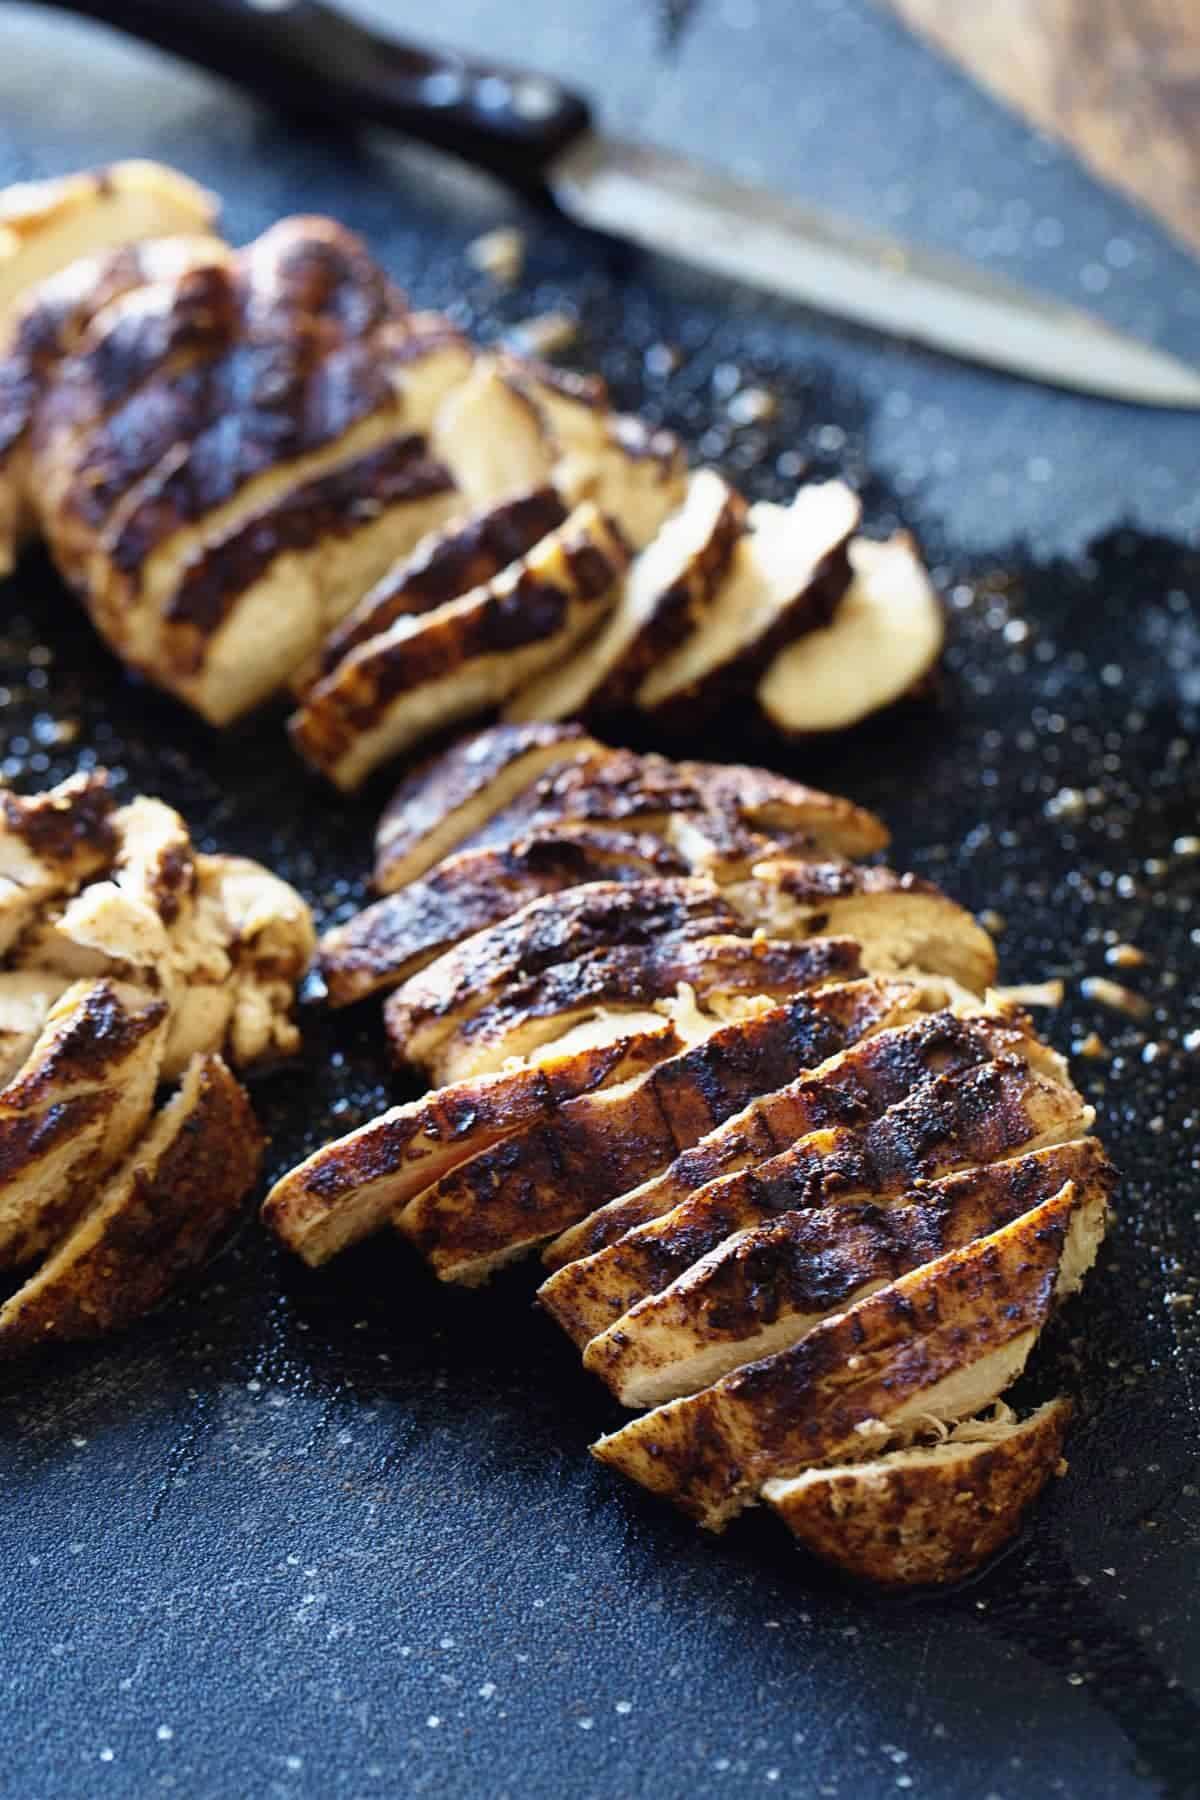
(307,56)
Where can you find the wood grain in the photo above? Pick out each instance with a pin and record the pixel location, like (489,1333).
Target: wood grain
(1118,80)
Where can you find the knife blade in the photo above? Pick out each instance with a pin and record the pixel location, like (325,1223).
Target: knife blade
(538,136)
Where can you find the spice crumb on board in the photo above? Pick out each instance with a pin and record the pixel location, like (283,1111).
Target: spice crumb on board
(499,253)
(1113,994)
(1125,956)
(544,335)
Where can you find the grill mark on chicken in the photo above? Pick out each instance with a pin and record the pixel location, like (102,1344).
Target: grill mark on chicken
(330,506)
(976,1309)
(540,1179)
(390,940)
(855,1088)
(351,1186)
(447,564)
(718,969)
(948,1122)
(768,1286)
(421,821)
(70,826)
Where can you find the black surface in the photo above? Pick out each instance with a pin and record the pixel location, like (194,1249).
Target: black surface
(337,1534)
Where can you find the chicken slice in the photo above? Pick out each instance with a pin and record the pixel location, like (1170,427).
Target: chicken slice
(667,591)
(942,1342)
(637,474)
(901,922)
(494,437)
(769,1286)
(351,1187)
(709,811)
(26,996)
(951,1122)
(451,796)
(389,941)
(464,554)
(45,225)
(556,929)
(538,1180)
(49,844)
(931,1514)
(252,605)
(82,1095)
(786,577)
(880,646)
(724,972)
(57,319)
(854,1087)
(157,1216)
(437,669)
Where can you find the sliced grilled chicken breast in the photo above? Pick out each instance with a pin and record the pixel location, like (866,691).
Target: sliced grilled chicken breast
(44,225)
(728,977)
(557,929)
(26,996)
(949,1123)
(901,922)
(941,1342)
(881,644)
(50,844)
(931,1514)
(494,436)
(389,941)
(441,667)
(786,577)
(539,1179)
(82,1095)
(854,1087)
(769,1286)
(450,797)
(668,589)
(350,1188)
(704,808)
(464,554)
(157,1216)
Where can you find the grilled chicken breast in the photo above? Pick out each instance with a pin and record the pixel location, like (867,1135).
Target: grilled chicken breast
(157,1216)
(941,1342)
(446,665)
(539,1179)
(950,1122)
(769,1286)
(391,940)
(349,1188)
(930,1514)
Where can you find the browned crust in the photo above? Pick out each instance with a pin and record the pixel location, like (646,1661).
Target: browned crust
(621,786)
(711,1452)
(448,563)
(528,604)
(949,1122)
(555,930)
(850,1093)
(69,826)
(714,967)
(157,1217)
(541,1179)
(330,506)
(99,1033)
(389,941)
(812,1262)
(318,1207)
(905,1522)
(457,780)
(676,613)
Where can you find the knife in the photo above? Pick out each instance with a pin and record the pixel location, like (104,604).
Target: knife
(538,137)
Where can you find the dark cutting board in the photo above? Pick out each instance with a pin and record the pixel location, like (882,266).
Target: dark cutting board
(338,1534)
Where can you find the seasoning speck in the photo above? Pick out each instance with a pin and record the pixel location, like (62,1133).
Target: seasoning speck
(1112,994)
(1124,956)
(500,254)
